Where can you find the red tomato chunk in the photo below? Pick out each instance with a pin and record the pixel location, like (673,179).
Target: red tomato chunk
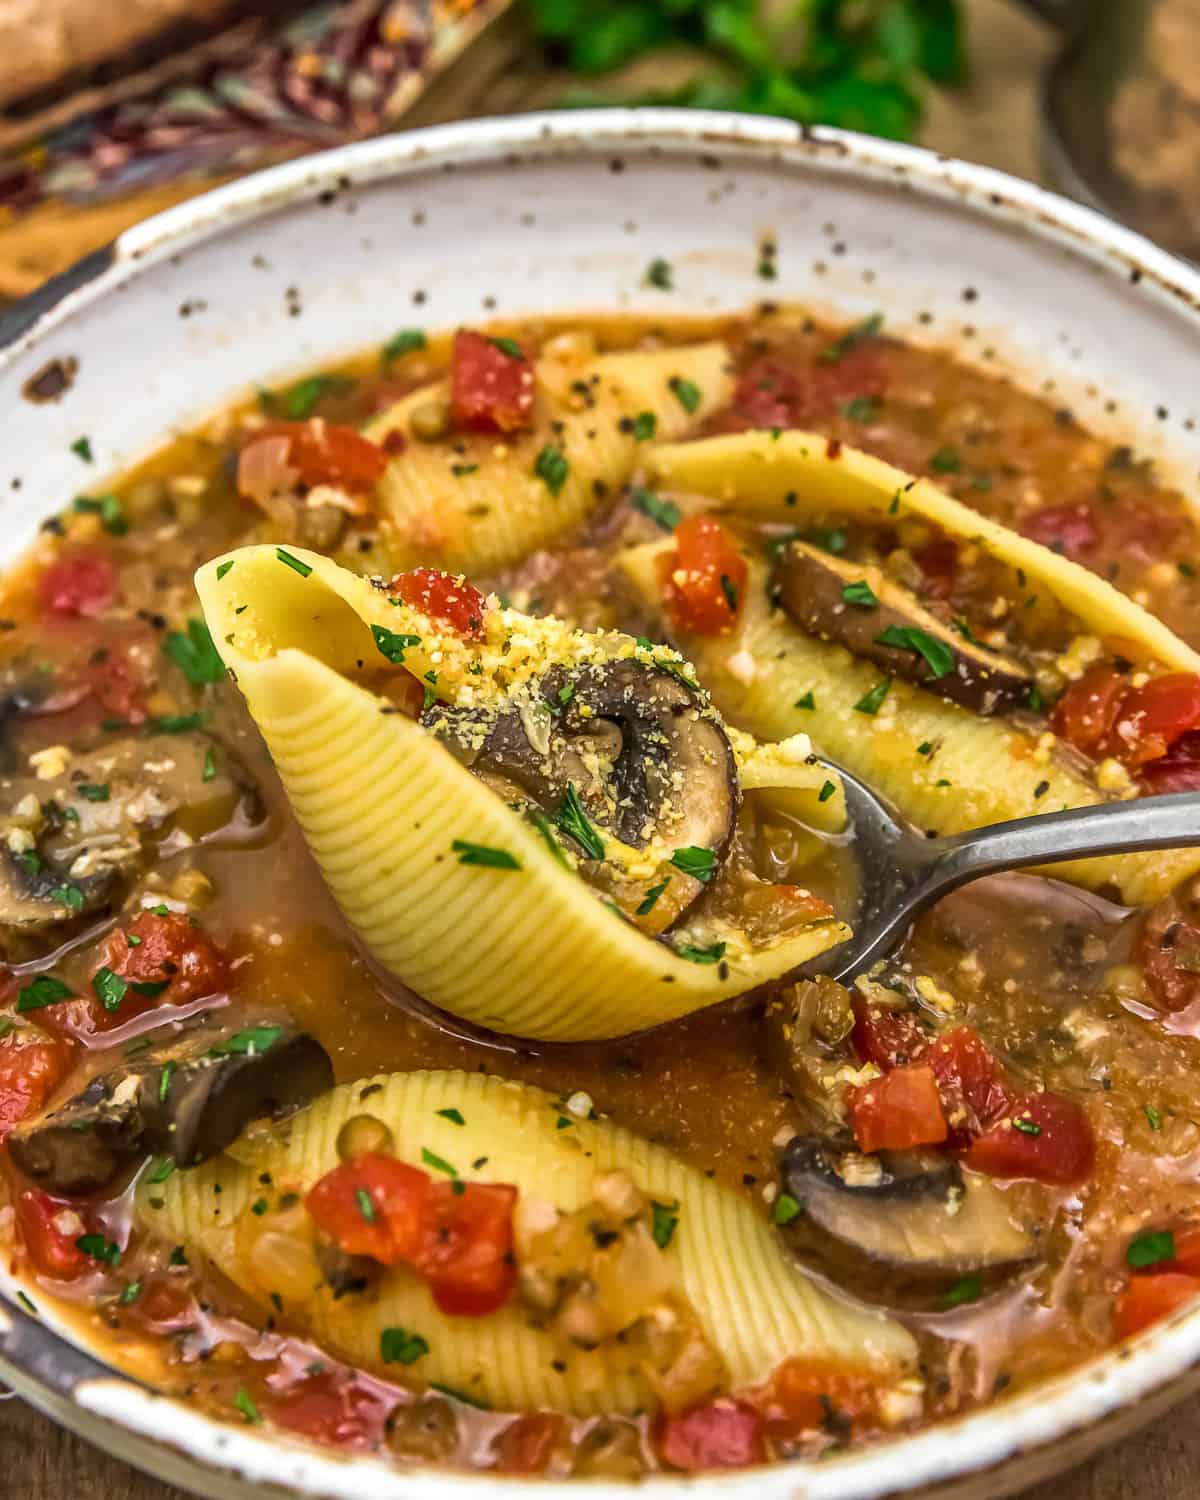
(723,1434)
(446,597)
(704,579)
(1168,952)
(1103,715)
(457,1235)
(1148,1299)
(81,583)
(169,961)
(527,1445)
(31,1067)
(1044,1137)
(48,1242)
(491,384)
(1069,529)
(329,453)
(898,1111)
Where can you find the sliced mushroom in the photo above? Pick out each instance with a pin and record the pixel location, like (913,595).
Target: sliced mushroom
(187,1099)
(648,762)
(900,1222)
(812,587)
(72,841)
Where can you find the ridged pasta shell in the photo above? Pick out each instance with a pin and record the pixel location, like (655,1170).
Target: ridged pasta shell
(792,477)
(976,771)
(528,951)
(475,503)
(756,1306)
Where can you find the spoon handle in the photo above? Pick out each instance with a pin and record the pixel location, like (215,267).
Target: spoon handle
(1170,822)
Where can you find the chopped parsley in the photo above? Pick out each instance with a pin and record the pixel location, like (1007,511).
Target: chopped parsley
(99,1248)
(251,1042)
(827,791)
(713,954)
(110,510)
(664,513)
(686,392)
(178,1256)
(1026,1126)
(246,1406)
(937,655)
(666,1220)
(194,653)
(808,701)
(730,589)
(179,723)
(453,1115)
(68,895)
(700,864)
(223,568)
(546,828)
(867,329)
(438,1163)
(209,771)
(828,540)
(650,899)
(164,1080)
(399,1347)
(130,1293)
(110,988)
(862,409)
(785,1209)
(573,821)
(82,448)
(161,1169)
(966,1289)
(94,791)
(456,1395)
(296,564)
(1034,701)
(872,701)
(1150,1249)
(259,1207)
(1153,1118)
(407,341)
(365,1207)
(301,399)
(45,990)
(645,426)
(392,644)
(861,593)
(660,275)
(482,855)
(946,461)
(552,468)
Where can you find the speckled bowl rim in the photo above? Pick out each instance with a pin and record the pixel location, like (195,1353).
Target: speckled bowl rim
(1045,1427)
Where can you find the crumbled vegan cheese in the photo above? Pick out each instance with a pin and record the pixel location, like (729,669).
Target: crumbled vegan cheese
(50,762)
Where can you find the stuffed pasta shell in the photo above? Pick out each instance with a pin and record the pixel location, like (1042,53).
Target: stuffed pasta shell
(533,1258)
(962,716)
(488,792)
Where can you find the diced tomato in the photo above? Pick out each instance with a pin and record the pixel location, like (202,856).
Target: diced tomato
(1087,712)
(491,384)
(801,1394)
(1168,952)
(117,685)
(1069,529)
(1154,716)
(1187,1251)
(898,1111)
(446,597)
(527,1445)
(171,961)
(329,1407)
(81,583)
(467,1249)
(329,453)
(723,1434)
(31,1066)
(974,1095)
(166,1304)
(938,562)
(704,579)
(50,1250)
(1176,771)
(1043,1137)
(373,1205)
(887,1038)
(775,390)
(1148,1299)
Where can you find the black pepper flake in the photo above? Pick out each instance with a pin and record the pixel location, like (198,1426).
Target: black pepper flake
(1041,789)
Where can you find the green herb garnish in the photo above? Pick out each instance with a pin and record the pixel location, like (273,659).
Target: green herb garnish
(967,1289)
(862,409)
(194,653)
(666,1220)
(509,347)
(650,899)
(453,1115)
(937,655)
(295,563)
(68,895)
(99,1248)
(407,341)
(223,568)
(45,990)
(160,1170)
(301,399)
(365,1207)
(1153,1118)
(713,954)
(730,589)
(179,723)
(110,510)
(1026,1126)
(664,513)
(94,791)
(700,864)
(482,855)
(130,1293)
(573,820)
(82,448)
(246,1406)
(438,1163)
(686,392)
(660,275)
(399,1347)
(456,1395)
(110,988)
(251,1042)
(867,329)
(391,644)
(808,701)
(552,468)
(785,1209)
(872,701)
(860,593)
(645,426)
(827,791)
(946,461)
(1150,1249)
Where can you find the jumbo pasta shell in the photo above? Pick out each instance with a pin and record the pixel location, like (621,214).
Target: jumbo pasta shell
(520,945)
(944,768)
(478,503)
(795,476)
(755,1305)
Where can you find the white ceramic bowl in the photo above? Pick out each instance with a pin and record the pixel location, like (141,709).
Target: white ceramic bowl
(563,213)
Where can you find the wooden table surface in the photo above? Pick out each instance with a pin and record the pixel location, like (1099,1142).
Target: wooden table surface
(994,121)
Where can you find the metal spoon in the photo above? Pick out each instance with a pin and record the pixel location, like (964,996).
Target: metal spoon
(902,873)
